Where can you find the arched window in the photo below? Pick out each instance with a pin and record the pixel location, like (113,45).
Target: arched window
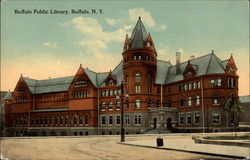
(181,102)
(148,44)
(137,103)
(103,105)
(75,119)
(189,101)
(110,83)
(110,105)
(117,105)
(216,99)
(197,100)
(149,103)
(137,77)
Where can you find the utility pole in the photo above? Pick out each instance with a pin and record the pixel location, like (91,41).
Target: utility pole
(122,115)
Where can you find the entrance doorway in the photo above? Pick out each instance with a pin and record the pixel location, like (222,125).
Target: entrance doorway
(169,124)
(154,123)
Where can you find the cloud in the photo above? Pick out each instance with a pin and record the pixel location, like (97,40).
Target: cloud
(50,44)
(162,27)
(93,43)
(145,16)
(112,22)
(64,24)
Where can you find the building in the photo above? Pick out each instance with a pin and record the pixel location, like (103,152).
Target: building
(186,96)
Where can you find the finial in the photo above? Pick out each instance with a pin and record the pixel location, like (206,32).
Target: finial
(80,65)
(21,75)
(139,17)
(188,61)
(212,51)
(231,54)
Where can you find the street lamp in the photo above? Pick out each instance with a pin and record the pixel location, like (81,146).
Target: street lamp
(122,115)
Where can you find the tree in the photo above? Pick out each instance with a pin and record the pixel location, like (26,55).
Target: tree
(233,107)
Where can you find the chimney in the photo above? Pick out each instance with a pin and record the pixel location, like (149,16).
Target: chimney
(192,57)
(178,67)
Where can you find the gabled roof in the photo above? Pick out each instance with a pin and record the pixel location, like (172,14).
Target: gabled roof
(48,85)
(139,35)
(208,64)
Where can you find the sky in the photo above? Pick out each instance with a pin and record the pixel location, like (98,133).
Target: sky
(54,45)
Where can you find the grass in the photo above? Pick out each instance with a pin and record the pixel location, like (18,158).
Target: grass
(245,137)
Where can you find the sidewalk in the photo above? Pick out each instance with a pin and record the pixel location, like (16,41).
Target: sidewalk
(186,144)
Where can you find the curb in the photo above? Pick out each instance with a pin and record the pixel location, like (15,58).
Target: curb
(180,150)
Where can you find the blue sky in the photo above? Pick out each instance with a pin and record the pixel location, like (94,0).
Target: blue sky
(42,46)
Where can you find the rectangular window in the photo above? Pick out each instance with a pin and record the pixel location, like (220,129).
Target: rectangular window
(194,85)
(149,89)
(137,119)
(66,119)
(46,120)
(190,86)
(189,101)
(80,119)
(185,87)
(110,120)
(196,118)
(86,119)
(215,82)
(80,84)
(127,119)
(181,119)
(118,120)
(189,119)
(137,89)
(199,85)
(197,100)
(216,118)
(56,120)
(103,120)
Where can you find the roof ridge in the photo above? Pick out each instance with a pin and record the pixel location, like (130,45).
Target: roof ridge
(209,63)
(116,66)
(53,78)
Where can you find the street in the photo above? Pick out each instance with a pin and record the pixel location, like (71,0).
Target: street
(88,148)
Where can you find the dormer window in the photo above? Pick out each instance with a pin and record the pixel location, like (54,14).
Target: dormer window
(80,84)
(148,44)
(231,70)
(20,90)
(110,82)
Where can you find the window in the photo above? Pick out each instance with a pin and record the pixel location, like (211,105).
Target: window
(216,99)
(149,103)
(195,85)
(110,120)
(137,89)
(189,119)
(80,119)
(111,92)
(197,100)
(190,86)
(181,102)
(103,105)
(215,82)
(189,101)
(169,103)
(231,82)
(158,90)
(110,83)
(56,120)
(137,103)
(117,105)
(137,77)
(137,119)
(127,119)
(149,89)
(86,119)
(158,103)
(80,94)
(198,85)
(107,93)
(181,119)
(21,100)
(185,87)
(231,70)
(75,119)
(110,105)
(148,44)
(103,93)
(61,120)
(66,119)
(127,104)
(80,84)
(216,118)
(118,120)
(196,118)
(115,92)
(103,122)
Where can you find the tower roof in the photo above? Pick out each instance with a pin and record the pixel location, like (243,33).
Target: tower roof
(139,35)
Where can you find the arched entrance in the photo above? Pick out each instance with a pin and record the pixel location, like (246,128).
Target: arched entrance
(154,123)
(169,124)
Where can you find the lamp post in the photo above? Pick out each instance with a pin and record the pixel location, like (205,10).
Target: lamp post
(122,115)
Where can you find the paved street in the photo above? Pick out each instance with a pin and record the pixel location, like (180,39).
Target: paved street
(87,148)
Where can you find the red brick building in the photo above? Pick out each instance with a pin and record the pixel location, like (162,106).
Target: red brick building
(186,96)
